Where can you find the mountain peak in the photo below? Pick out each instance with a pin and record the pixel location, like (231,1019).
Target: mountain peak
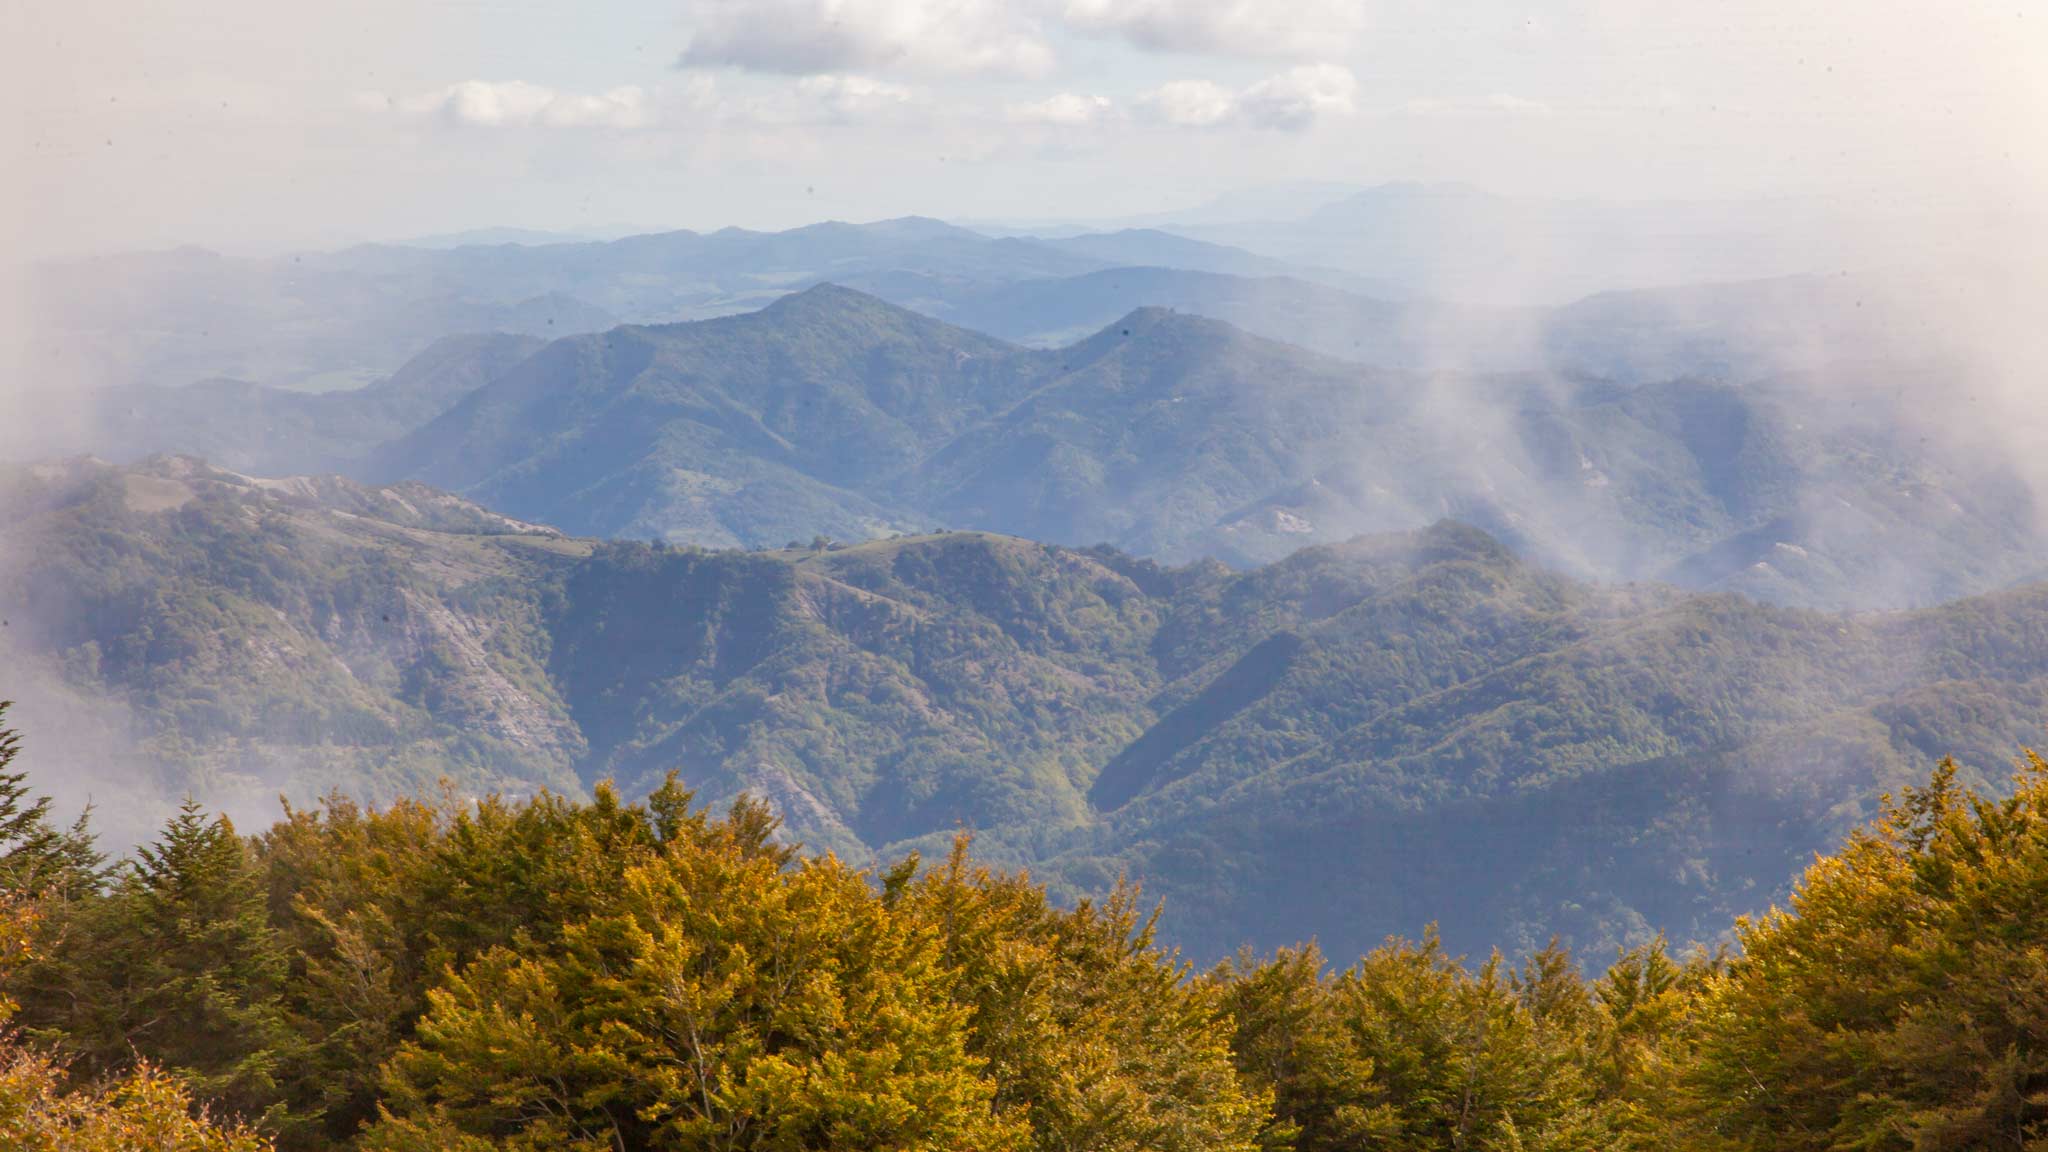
(919,226)
(1155,322)
(829,299)
(827,290)
(829,303)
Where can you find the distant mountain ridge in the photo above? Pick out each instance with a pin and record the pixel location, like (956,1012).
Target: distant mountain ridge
(322,320)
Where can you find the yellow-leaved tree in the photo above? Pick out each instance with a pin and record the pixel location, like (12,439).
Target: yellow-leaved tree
(1901,1001)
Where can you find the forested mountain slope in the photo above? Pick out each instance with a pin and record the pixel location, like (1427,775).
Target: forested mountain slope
(745,430)
(1352,739)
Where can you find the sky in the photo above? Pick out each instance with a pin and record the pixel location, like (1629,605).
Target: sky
(258,125)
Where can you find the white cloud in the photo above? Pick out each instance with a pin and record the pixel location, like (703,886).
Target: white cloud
(1291,100)
(1191,103)
(1066,110)
(518,104)
(1297,97)
(807,37)
(1291,29)
(850,96)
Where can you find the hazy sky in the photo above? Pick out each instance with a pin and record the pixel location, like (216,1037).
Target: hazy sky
(260,123)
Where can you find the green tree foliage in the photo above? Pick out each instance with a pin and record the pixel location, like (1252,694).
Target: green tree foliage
(145,1109)
(177,964)
(1465,1058)
(379,906)
(501,976)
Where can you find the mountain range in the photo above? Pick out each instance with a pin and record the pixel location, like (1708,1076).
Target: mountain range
(1684,435)
(335,319)
(1361,734)
(318,321)
(1312,602)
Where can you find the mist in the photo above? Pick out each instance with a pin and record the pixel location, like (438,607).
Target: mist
(1826,222)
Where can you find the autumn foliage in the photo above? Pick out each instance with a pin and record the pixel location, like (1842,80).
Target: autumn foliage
(548,974)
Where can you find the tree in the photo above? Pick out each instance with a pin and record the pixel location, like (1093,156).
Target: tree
(1091,1034)
(178,965)
(147,1108)
(1901,1000)
(1471,1060)
(379,906)
(1289,1040)
(346,891)
(36,857)
(721,1000)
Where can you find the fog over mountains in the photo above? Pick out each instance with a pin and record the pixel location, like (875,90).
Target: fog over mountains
(1808,440)
(1305,580)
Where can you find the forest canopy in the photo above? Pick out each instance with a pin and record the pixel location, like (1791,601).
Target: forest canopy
(543,973)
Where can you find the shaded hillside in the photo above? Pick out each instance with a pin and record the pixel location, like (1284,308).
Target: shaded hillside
(1346,742)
